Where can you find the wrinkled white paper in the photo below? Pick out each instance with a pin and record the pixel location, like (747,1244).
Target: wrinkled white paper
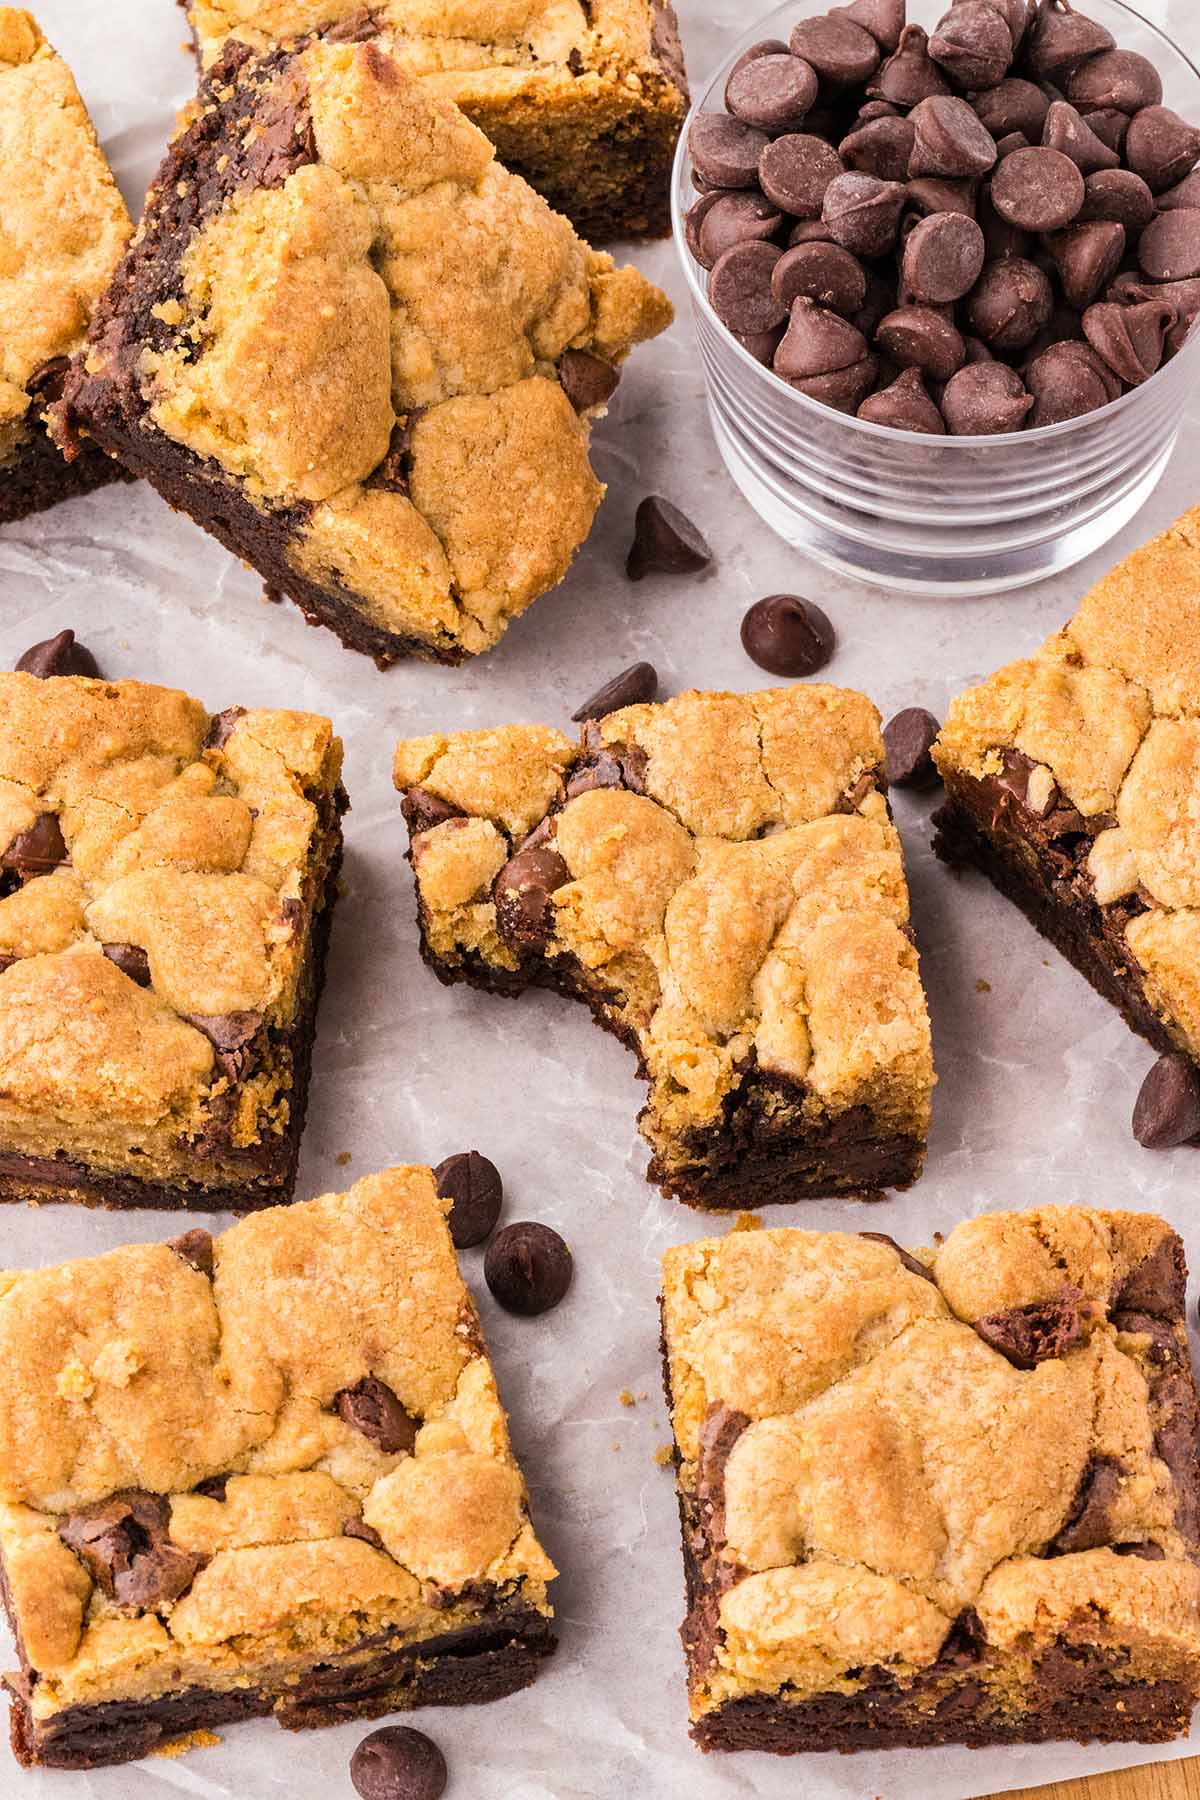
(1038,1075)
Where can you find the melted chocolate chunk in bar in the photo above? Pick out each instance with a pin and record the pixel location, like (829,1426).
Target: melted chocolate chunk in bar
(124,1544)
(371,1407)
(1028,1335)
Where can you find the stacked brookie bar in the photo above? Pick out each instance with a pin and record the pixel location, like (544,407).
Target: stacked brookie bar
(719,879)
(262,1473)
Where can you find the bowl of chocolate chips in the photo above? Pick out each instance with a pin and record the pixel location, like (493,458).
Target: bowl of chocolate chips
(945,271)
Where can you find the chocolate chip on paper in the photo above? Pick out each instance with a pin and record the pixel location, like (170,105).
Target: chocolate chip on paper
(1167,1111)
(61,654)
(528,1268)
(398,1763)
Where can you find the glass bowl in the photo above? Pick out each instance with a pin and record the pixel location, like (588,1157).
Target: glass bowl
(954,515)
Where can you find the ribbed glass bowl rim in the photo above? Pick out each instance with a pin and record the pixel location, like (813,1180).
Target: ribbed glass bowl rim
(816,409)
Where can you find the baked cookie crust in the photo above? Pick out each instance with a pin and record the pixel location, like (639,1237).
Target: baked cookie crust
(584,100)
(261,1473)
(359,352)
(719,879)
(1073,782)
(64,227)
(950,1496)
(167,880)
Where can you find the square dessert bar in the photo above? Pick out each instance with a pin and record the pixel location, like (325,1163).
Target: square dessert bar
(359,352)
(167,880)
(719,879)
(1073,781)
(263,1473)
(63,227)
(947,1497)
(584,98)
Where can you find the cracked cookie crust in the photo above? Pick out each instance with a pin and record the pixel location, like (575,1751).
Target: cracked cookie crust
(584,98)
(63,226)
(261,1473)
(359,352)
(718,877)
(1073,782)
(167,879)
(950,1496)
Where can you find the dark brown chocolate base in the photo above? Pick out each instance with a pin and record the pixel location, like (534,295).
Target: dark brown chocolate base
(1040,878)
(40,476)
(747,1160)
(482,1662)
(273,1165)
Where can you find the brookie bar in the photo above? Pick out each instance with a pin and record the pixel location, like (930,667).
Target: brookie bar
(1073,781)
(167,879)
(719,879)
(950,1497)
(584,98)
(359,352)
(63,225)
(262,1473)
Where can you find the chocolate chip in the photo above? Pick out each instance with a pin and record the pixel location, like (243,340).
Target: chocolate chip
(1028,1335)
(823,273)
(881,1237)
(840,51)
(973,44)
(736,218)
(1110,126)
(810,231)
(764,47)
(863,213)
(232,1036)
(635,686)
(528,1268)
(1038,189)
(918,337)
(1131,339)
(905,405)
(984,399)
(212,1487)
(931,194)
(131,959)
(1167,1112)
(587,380)
(617,765)
(1169,248)
(1090,1525)
(843,389)
(694,218)
(522,890)
(942,258)
(1060,37)
(950,139)
(1013,105)
(1121,79)
(1008,146)
(1070,134)
(370,1406)
(726,151)
(124,1544)
(664,541)
(761,345)
(739,287)
(1185,195)
(195,1247)
(1087,257)
(1010,304)
(795,170)
(907,741)
(884,19)
(772,92)
(221,727)
(473,1186)
(397,1763)
(1158,1284)
(881,147)
(1066,385)
(36,850)
(58,655)
(787,635)
(910,74)
(1120,195)
(816,342)
(358,1528)
(423,810)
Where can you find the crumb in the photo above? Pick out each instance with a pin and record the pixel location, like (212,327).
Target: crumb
(982,986)
(746,1221)
(616,1446)
(342,1158)
(625,1397)
(190,1740)
(641,1396)
(664,1456)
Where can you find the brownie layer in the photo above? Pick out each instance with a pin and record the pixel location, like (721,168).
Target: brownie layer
(271,1166)
(984,825)
(39,476)
(484,1661)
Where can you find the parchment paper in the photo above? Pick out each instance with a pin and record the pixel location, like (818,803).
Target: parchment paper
(1038,1075)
